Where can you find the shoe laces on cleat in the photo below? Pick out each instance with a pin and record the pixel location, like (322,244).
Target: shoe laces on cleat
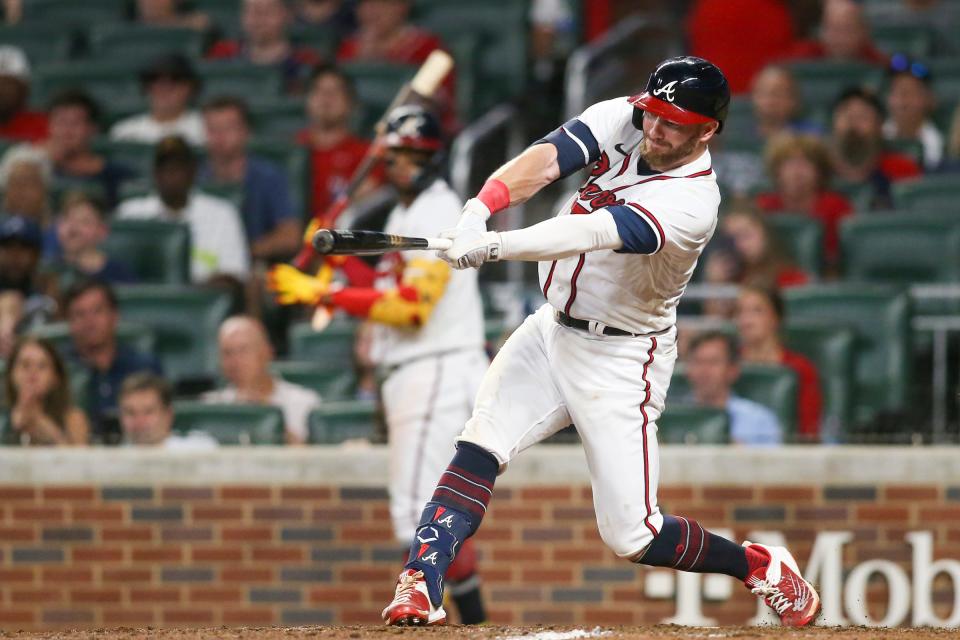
(407,586)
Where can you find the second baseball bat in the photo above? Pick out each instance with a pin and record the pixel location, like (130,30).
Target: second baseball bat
(370,243)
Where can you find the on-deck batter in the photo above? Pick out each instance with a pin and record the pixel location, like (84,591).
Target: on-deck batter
(428,334)
(600,353)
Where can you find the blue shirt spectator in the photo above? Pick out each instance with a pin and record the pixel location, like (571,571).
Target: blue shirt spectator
(712,368)
(92,313)
(752,423)
(273,228)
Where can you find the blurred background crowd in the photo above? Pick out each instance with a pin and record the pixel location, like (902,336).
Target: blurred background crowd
(156,156)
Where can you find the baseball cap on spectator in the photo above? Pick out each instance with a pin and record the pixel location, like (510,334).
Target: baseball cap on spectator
(902,64)
(13,63)
(173,150)
(20,230)
(173,66)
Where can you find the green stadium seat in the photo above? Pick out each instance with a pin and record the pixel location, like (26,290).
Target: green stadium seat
(377,83)
(331,348)
(331,384)
(689,424)
(231,424)
(946,82)
(74,13)
(135,155)
(802,236)
(929,192)
(185,321)
(322,39)
(225,14)
(281,119)
(157,251)
(913,40)
(900,249)
(822,81)
(334,422)
(131,334)
(773,386)
(112,83)
(881,317)
(143,42)
(43,44)
(253,82)
(831,349)
(295,161)
(502,28)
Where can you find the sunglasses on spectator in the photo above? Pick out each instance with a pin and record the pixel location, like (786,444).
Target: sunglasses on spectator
(900,63)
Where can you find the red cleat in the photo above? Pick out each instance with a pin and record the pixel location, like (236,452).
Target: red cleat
(411,606)
(782,587)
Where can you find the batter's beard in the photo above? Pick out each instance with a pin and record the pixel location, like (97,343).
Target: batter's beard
(671,158)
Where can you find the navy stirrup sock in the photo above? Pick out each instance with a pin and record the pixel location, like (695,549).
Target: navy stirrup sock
(685,545)
(453,514)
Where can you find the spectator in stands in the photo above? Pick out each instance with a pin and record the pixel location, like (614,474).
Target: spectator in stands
(858,150)
(759,317)
(338,15)
(81,229)
(20,248)
(11,315)
(25,174)
(712,368)
(741,37)
(38,394)
(335,153)
(219,247)
(765,262)
(723,267)
(910,103)
(939,16)
(799,166)
(245,356)
(266,42)
(146,416)
(16,121)
(776,103)
(170,13)
(170,84)
(12,11)
(74,123)
(844,35)
(385,34)
(272,226)
(92,313)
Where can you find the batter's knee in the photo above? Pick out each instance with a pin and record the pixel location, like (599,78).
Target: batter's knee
(629,537)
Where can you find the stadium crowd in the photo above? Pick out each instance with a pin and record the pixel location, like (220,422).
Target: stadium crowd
(233,127)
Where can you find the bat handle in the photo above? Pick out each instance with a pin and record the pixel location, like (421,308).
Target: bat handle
(439,244)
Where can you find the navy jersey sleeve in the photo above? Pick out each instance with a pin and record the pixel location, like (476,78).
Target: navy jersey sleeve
(576,145)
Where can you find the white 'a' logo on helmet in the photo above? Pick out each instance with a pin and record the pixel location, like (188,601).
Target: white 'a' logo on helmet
(666,90)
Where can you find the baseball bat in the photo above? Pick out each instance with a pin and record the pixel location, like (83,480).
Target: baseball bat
(342,242)
(425,83)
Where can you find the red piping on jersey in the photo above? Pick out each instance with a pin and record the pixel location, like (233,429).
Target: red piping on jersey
(546,285)
(656,223)
(646,455)
(623,167)
(573,283)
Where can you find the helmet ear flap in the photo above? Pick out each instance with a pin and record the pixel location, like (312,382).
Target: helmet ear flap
(638,119)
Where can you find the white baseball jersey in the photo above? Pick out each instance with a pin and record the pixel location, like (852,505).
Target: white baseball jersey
(457,320)
(666,217)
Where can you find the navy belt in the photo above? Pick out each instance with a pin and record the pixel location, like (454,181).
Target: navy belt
(584,325)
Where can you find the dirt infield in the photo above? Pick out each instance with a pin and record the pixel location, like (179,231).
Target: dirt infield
(496,633)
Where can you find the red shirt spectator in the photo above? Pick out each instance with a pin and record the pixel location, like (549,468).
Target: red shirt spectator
(740,37)
(16,121)
(759,314)
(384,34)
(844,35)
(332,167)
(809,400)
(266,42)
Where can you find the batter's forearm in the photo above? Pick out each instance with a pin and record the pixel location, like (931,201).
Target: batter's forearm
(529,172)
(561,237)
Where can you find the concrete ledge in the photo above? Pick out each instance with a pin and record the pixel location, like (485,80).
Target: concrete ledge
(366,466)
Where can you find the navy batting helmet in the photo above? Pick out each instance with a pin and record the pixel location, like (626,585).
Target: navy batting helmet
(413,127)
(686,90)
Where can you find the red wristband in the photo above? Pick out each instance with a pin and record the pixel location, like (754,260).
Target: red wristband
(495,195)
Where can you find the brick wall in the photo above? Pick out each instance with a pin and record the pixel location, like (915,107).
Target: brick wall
(163,554)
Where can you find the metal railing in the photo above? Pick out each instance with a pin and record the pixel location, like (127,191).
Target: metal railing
(501,120)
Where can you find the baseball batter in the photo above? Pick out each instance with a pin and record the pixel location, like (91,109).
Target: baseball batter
(599,354)
(428,334)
